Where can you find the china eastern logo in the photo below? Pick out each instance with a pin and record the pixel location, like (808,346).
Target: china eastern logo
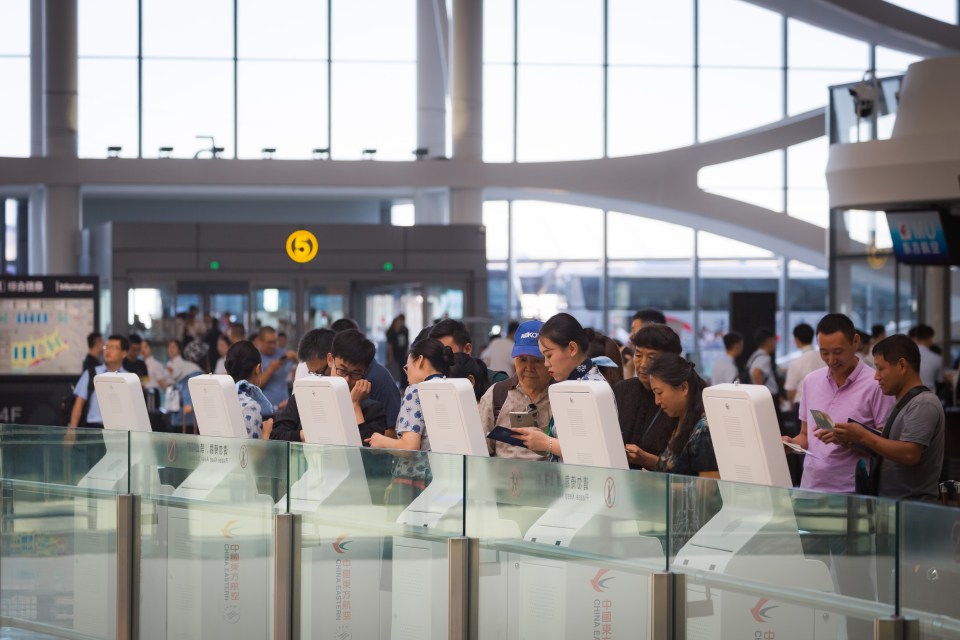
(599,583)
(340,544)
(759,612)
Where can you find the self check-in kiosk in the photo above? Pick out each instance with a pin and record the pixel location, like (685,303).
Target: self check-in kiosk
(568,599)
(342,562)
(755,535)
(123,408)
(219,558)
(453,425)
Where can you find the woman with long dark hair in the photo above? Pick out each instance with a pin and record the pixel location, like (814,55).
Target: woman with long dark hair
(678,390)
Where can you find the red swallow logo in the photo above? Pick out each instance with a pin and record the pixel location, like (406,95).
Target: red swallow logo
(759,612)
(599,583)
(340,544)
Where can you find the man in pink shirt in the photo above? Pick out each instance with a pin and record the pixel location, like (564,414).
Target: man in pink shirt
(845,390)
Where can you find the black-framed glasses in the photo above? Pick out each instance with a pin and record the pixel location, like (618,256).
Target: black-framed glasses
(346,373)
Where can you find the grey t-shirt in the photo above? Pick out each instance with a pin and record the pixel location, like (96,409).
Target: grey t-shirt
(921,421)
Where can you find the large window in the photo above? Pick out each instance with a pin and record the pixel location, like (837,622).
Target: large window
(817,59)
(269,77)
(15,77)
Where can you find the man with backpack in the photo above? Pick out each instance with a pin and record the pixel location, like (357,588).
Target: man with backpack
(526,392)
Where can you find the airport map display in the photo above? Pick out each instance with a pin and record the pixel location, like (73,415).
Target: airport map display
(42,334)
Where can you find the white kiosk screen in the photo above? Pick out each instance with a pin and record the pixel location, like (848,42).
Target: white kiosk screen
(121,402)
(326,411)
(585,415)
(217,407)
(746,436)
(452,417)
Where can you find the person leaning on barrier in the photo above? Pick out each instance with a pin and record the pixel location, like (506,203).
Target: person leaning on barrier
(525,392)
(643,424)
(910,450)
(678,390)
(313,354)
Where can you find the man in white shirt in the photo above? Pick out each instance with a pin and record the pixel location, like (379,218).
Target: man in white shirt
(808,362)
(725,368)
(761,366)
(931,364)
(497,355)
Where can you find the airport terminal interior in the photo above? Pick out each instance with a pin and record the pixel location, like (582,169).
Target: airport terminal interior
(487,319)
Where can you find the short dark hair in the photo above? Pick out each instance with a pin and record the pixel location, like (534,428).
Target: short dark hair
(732,339)
(241,359)
(92,338)
(512,327)
(658,337)
(264,330)
(877,330)
(562,329)
(804,333)
(344,324)
(923,332)
(455,329)
(281,334)
(315,344)
(763,334)
(464,366)
(649,315)
(135,338)
(896,347)
(353,347)
(124,343)
(834,322)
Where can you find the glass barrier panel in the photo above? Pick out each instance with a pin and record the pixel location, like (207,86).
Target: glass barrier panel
(565,551)
(930,568)
(92,458)
(58,571)
(374,540)
(206,543)
(781,562)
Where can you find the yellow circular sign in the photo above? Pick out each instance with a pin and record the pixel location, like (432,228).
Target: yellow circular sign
(302,246)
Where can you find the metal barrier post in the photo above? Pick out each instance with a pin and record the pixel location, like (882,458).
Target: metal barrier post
(286,574)
(128,567)
(662,601)
(458,558)
(889,629)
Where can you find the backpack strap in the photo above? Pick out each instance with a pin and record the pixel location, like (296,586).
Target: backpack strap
(500,391)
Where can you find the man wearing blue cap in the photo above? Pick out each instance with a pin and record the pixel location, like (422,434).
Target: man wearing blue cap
(525,392)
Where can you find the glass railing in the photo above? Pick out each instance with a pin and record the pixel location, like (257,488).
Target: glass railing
(206,533)
(782,562)
(374,540)
(556,550)
(930,569)
(565,551)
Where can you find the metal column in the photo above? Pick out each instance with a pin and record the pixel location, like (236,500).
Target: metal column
(128,567)
(458,558)
(286,574)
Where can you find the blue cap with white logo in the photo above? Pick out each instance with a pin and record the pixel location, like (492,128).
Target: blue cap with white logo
(525,339)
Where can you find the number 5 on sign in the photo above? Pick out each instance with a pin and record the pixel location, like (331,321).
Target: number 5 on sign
(302,246)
